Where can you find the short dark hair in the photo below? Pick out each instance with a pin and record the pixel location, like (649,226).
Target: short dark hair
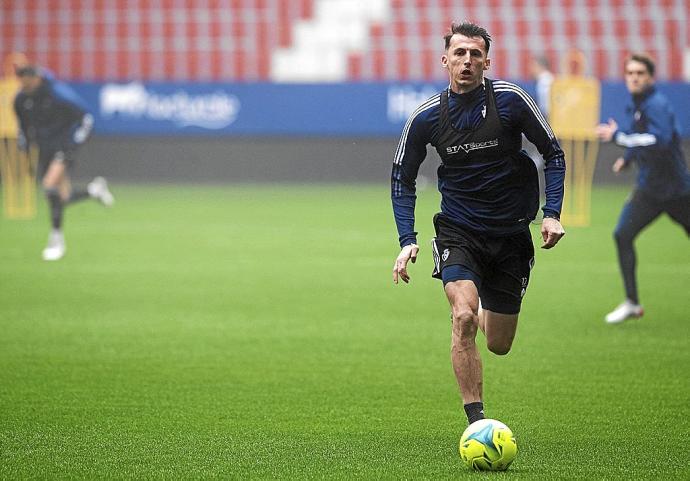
(468,29)
(643,58)
(27,71)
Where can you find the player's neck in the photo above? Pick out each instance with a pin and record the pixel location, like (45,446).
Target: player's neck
(466,89)
(463,89)
(639,96)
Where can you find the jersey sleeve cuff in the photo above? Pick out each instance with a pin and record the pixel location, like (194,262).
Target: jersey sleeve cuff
(408,239)
(551,213)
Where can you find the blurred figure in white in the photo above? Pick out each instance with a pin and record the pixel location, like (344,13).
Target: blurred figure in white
(541,73)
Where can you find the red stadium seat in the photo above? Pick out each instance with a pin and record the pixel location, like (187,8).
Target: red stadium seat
(402,64)
(522,28)
(354,67)
(425,29)
(216,65)
(430,63)
(76,64)
(147,67)
(647,28)
(600,63)
(378,66)
(239,64)
(672,31)
(400,29)
(547,29)
(571,28)
(596,28)
(620,29)
(675,63)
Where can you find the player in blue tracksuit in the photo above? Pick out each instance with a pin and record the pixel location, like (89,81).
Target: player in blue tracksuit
(651,136)
(489,194)
(52,117)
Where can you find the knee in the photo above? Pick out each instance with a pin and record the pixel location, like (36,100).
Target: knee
(622,236)
(51,193)
(500,347)
(464,321)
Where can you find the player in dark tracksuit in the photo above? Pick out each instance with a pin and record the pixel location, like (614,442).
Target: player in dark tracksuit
(651,136)
(489,194)
(52,117)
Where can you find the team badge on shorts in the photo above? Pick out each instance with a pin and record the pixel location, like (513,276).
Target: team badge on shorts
(523,282)
(446,253)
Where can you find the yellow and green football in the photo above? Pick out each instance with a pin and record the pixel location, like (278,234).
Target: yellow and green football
(488,445)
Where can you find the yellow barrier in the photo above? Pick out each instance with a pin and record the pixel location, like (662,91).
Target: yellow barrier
(18,170)
(574,113)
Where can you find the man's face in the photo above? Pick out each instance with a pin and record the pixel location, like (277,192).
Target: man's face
(466,61)
(637,77)
(30,83)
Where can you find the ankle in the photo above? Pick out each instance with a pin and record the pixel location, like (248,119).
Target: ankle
(474,411)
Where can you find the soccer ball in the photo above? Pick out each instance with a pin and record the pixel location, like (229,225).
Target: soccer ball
(488,445)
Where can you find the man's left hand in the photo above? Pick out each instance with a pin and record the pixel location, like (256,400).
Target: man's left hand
(551,232)
(83,131)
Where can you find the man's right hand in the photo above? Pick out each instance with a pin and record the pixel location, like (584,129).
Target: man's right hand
(408,253)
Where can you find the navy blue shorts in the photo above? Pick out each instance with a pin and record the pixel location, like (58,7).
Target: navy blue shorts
(499,266)
(46,156)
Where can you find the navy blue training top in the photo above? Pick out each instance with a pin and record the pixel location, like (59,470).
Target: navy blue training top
(651,135)
(50,115)
(518,113)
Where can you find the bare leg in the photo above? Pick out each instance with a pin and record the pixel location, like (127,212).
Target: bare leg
(500,331)
(482,320)
(56,187)
(464,301)
(55,176)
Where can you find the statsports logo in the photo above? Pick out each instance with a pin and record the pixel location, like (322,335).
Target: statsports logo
(472,146)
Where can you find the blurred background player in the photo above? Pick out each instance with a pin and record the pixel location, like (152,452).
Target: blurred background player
(52,116)
(651,136)
(489,194)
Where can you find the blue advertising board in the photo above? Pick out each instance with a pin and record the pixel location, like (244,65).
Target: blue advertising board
(267,109)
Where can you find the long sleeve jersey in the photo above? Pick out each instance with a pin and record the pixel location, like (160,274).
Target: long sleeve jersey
(650,134)
(486,197)
(52,115)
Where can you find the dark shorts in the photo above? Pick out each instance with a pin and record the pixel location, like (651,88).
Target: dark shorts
(499,266)
(48,155)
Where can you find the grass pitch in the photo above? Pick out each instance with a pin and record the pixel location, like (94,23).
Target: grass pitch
(254,332)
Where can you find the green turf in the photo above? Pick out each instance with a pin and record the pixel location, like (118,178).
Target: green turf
(254,332)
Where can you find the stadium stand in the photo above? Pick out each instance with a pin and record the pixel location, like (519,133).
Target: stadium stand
(330,40)
(151,39)
(407,46)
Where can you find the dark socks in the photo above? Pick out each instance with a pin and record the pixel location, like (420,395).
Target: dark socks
(78,195)
(474,411)
(627,261)
(56,207)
